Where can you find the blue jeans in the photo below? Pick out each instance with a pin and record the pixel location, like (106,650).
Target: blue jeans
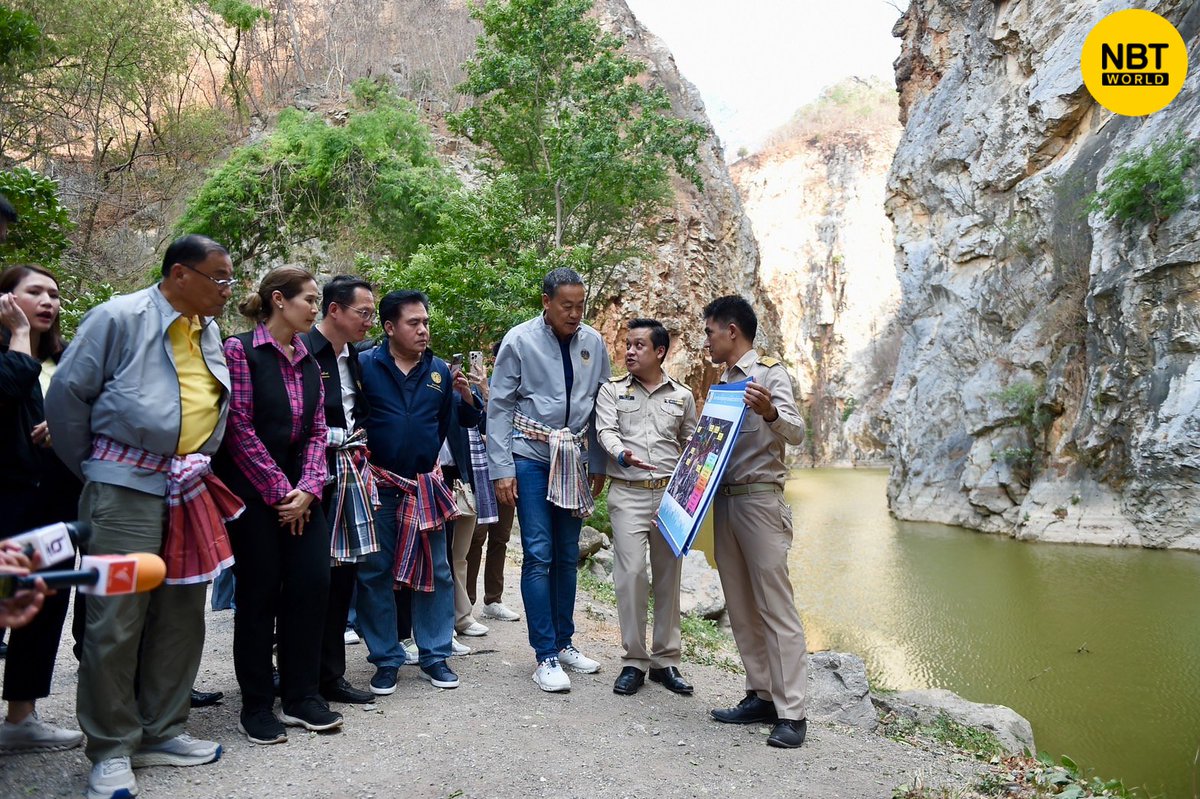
(222,591)
(550,540)
(432,612)
(375,603)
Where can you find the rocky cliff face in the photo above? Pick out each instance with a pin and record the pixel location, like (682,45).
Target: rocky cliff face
(1048,384)
(705,247)
(814,196)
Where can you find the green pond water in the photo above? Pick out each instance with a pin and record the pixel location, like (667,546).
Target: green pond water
(1098,647)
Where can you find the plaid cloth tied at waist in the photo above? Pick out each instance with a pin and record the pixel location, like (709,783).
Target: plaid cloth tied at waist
(355,498)
(425,505)
(569,488)
(196,547)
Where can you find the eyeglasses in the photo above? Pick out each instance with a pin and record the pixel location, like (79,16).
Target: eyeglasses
(367,314)
(226,283)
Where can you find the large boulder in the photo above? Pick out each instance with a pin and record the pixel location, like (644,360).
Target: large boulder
(602,565)
(838,690)
(1011,729)
(700,591)
(591,541)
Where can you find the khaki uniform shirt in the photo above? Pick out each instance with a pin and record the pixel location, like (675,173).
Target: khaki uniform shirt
(757,456)
(654,425)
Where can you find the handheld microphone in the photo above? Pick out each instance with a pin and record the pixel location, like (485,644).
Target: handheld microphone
(55,542)
(100,575)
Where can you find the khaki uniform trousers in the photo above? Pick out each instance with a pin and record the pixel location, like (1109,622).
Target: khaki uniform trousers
(460,544)
(168,624)
(631,511)
(753,533)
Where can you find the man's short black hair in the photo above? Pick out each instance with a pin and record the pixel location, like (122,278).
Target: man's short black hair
(735,309)
(659,336)
(190,250)
(393,301)
(7,212)
(562,276)
(341,290)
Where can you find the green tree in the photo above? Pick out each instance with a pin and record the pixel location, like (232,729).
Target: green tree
(372,183)
(40,235)
(560,110)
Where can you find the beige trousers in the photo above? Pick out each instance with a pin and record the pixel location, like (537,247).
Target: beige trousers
(464,531)
(632,513)
(753,533)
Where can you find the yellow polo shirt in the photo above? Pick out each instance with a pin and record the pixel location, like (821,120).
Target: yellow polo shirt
(199,391)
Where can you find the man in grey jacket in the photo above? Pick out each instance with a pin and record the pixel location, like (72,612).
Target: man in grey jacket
(142,390)
(541,447)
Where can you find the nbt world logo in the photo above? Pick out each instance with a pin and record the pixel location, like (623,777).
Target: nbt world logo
(1134,62)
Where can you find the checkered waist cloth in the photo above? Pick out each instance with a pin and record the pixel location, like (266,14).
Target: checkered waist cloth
(569,487)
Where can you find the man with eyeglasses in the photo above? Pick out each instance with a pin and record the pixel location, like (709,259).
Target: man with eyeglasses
(348,311)
(137,406)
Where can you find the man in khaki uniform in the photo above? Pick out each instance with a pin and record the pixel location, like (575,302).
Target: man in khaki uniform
(643,421)
(753,530)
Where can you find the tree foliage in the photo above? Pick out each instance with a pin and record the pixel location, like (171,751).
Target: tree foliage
(561,112)
(1149,186)
(372,183)
(40,235)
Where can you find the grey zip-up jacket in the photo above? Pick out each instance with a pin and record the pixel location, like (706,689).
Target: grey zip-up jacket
(118,379)
(529,378)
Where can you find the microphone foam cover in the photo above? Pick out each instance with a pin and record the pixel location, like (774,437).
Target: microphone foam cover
(151,571)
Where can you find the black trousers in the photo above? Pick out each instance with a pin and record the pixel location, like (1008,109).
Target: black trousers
(32,649)
(283,588)
(333,641)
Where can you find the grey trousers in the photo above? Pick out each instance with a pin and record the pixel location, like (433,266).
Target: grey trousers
(167,623)
(753,534)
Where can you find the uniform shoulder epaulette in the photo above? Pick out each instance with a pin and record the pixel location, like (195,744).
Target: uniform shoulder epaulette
(618,378)
(768,361)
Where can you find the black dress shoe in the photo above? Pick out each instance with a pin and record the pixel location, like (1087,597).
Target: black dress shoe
(629,681)
(788,734)
(672,680)
(206,698)
(750,710)
(343,691)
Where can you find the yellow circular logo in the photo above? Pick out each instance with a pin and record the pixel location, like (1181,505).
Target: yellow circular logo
(436,377)
(1134,62)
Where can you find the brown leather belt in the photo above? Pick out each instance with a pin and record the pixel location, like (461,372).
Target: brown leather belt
(751,488)
(661,482)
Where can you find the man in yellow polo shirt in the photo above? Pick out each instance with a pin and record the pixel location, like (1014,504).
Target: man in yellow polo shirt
(144,381)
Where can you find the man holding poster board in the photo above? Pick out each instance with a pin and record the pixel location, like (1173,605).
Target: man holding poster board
(752,530)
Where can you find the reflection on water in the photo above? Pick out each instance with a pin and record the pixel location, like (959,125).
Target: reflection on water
(1097,647)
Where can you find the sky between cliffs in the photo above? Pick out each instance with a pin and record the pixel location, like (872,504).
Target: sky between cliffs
(756,62)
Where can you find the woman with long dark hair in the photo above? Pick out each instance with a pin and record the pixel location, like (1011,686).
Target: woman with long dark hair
(35,489)
(273,457)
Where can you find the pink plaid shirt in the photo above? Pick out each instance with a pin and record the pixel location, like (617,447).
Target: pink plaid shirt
(248,450)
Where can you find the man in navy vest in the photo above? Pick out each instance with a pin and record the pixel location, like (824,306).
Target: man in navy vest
(411,393)
(348,311)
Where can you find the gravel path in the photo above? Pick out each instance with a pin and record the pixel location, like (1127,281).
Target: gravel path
(497,735)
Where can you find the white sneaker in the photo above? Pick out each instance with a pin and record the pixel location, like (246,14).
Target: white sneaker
(550,677)
(458,649)
(112,779)
(351,637)
(575,660)
(412,655)
(474,630)
(497,610)
(182,750)
(32,734)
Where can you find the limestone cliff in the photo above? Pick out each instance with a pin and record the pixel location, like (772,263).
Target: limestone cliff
(814,195)
(705,247)
(1048,384)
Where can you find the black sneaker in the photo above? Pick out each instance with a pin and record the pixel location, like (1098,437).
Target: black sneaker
(311,713)
(384,681)
(750,710)
(343,691)
(261,727)
(440,675)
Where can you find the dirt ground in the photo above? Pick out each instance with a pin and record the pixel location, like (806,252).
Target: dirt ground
(497,735)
